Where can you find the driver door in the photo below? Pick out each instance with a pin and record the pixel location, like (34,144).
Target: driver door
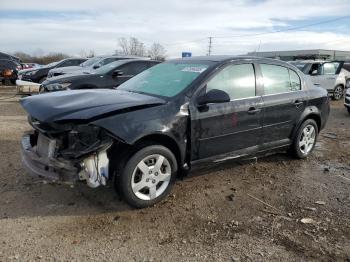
(218,129)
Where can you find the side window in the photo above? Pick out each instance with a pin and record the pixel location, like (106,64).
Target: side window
(67,63)
(107,61)
(295,83)
(329,68)
(133,68)
(76,62)
(238,81)
(315,69)
(276,79)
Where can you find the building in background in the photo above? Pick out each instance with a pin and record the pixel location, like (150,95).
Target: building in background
(316,54)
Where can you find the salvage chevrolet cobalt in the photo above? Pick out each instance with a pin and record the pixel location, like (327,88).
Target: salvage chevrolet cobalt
(171,118)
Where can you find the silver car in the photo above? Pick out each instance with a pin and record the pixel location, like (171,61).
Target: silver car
(330,75)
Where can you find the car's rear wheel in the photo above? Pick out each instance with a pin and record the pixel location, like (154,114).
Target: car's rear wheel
(338,92)
(305,139)
(147,177)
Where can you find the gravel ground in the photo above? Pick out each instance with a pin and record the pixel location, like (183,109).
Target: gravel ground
(251,211)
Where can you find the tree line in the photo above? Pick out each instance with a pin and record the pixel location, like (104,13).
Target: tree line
(131,46)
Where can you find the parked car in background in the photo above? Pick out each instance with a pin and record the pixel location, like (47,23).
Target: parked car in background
(30,65)
(9,57)
(346,67)
(347,100)
(328,74)
(107,76)
(8,71)
(170,118)
(88,66)
(38,75)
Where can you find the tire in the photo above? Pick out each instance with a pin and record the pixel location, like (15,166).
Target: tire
(298,149)
(338,92)
(142,189)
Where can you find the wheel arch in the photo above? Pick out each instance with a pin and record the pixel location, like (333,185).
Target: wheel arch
(122,150)
(309,113)
(164,140)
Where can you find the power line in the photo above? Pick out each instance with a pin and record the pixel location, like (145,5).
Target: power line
(285,30)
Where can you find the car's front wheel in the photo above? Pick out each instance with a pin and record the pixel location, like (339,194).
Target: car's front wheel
(338,92)
(147,177)
(305,139)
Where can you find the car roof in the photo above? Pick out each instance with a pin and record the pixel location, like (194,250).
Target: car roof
(226,58)
(124,61)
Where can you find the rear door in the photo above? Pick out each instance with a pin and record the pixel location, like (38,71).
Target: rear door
(284,101)
(223,128)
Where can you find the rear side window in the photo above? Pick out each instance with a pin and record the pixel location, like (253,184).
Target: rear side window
(330,68)
(279,79)
(238,81)
(295,83)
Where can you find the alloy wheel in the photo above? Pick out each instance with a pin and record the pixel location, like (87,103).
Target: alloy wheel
(151,177)
(338,93)
(307,139)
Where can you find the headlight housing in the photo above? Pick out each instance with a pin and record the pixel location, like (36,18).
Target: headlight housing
(57,86)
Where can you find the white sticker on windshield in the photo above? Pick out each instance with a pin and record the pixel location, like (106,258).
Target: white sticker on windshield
(194,69)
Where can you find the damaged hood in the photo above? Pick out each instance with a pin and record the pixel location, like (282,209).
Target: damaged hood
(85,104)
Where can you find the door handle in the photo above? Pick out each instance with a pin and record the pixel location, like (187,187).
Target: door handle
(298,103)
(253,110)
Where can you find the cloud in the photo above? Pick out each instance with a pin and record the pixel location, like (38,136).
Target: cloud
(73,26)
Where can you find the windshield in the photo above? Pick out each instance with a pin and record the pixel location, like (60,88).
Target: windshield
(166,79)
(109,67)
(90,61)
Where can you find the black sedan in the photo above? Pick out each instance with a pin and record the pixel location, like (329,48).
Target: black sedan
(108,76)
(38,75)
(175,116)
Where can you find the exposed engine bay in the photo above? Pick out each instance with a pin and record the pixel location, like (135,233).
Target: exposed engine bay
(67,153)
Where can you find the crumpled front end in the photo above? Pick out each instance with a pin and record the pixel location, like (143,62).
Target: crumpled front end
(67,153)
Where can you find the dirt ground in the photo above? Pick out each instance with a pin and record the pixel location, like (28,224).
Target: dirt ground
(251,211)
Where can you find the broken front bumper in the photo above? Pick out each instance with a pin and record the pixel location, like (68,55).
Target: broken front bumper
(45,165)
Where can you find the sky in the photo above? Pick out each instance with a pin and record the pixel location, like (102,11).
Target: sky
(77,26)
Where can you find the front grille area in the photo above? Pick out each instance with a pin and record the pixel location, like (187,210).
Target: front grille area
(69,141)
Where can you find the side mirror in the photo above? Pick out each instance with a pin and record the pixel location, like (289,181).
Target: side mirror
(213,96)
(117,73)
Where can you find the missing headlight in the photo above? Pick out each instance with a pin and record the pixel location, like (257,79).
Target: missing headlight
(83,140)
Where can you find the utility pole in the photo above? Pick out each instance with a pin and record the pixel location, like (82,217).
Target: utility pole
(210,45)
